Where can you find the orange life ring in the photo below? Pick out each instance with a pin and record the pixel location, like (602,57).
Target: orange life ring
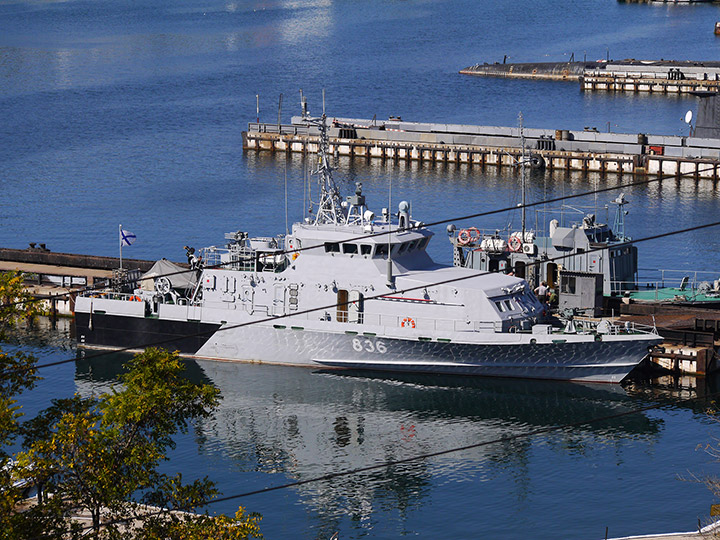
(468,236)
(408,321)
(135,299)
(474,234)
(514,243)
(464,237)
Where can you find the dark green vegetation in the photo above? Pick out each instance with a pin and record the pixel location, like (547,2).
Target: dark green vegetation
(99,455)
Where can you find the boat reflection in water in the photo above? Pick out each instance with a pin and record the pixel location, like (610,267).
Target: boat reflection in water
(306,424)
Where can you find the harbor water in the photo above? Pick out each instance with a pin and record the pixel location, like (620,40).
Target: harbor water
(124,113)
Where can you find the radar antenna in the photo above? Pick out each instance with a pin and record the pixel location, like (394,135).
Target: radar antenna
(620,213)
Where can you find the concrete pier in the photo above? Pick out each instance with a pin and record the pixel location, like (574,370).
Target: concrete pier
(490,146)
(681,2)
(55,278)
(707,531)
(554,71)
(666,77)
(652,76)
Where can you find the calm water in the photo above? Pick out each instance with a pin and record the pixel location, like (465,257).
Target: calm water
(277,425)
(132,113)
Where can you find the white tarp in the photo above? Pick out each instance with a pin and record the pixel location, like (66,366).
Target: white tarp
(180,278)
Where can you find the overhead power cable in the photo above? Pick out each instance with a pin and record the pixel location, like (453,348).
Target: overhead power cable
(647,181)
(428,455)
(472,275)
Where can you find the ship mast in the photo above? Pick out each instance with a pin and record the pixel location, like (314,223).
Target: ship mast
(522,177)
(330,206)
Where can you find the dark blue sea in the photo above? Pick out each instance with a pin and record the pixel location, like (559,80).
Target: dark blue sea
(131,113)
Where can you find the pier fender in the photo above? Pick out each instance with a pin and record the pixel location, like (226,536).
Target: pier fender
(536,161)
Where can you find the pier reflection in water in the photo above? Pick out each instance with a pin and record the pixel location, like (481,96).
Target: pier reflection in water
(281,424)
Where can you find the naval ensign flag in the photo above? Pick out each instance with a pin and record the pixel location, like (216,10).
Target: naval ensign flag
(126,239)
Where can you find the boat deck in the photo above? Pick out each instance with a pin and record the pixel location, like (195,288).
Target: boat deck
(674,294)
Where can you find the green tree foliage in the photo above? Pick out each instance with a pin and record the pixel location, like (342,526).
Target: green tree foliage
(16,303)
(17,374)
(100,454)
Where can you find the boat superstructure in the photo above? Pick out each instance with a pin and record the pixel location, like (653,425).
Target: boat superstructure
(585,245)
(349,289)
(588,246)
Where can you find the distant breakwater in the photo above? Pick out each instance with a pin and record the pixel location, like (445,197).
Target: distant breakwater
(653,76)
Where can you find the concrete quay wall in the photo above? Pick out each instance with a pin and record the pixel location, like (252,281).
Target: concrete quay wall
(590,150)
(557,71)
(624,83)
(657,76)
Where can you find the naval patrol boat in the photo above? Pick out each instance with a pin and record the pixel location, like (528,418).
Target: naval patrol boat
(588,247)
(349,289)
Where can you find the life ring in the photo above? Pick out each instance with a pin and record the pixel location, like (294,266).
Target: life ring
(468,236)
(463,237)
(408,322)
(135,299)
(514,243)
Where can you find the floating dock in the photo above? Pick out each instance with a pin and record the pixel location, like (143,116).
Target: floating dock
(650,76)
(490,146)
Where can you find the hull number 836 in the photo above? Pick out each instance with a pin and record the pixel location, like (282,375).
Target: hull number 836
(368,345)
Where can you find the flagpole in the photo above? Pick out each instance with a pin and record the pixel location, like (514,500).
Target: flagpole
(120,238)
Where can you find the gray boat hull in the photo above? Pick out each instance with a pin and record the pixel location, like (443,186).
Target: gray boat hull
(609,360)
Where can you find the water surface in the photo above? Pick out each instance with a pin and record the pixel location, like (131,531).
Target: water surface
(132,113)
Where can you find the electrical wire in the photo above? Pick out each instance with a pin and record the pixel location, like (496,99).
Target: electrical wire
(386,464)
(392,463)
(373,235)
(468,276)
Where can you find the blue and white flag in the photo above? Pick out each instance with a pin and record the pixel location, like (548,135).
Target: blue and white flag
(126,238)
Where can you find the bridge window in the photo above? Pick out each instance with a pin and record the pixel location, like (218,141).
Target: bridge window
(332,247)
(350,249)
(365,249)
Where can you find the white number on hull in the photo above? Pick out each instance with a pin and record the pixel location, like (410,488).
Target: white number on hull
(368,345)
